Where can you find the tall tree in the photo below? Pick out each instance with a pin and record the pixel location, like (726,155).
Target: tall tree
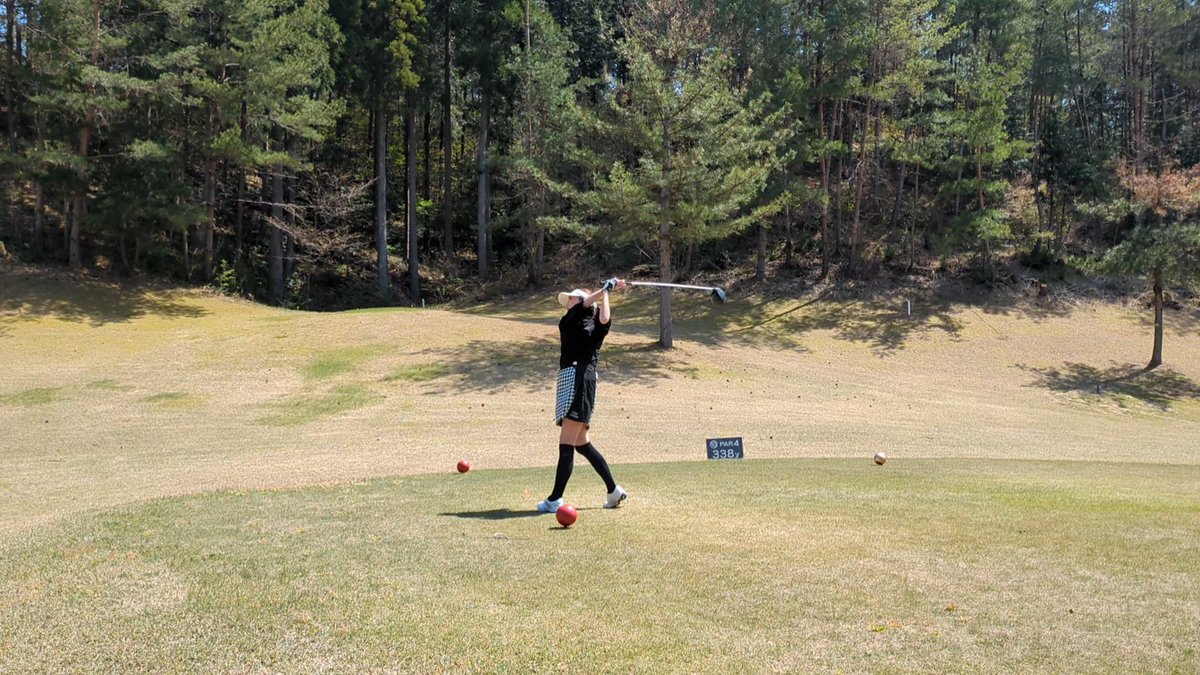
(1165,247)
(491,32)
(684,155)
(377,64)
(549,119)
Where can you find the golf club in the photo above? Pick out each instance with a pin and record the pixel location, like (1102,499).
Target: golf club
(718,294)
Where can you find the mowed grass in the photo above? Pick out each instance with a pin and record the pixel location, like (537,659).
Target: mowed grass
(193,483)
(767,565)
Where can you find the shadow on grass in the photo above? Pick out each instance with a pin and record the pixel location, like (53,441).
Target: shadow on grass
(489,366)
(882,324)
(494,514)
(1160,387)
(26,296)
(878,319)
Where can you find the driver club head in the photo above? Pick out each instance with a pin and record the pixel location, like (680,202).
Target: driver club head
(718,296)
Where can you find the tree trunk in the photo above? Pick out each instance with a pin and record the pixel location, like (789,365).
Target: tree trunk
(901,176)
(185,246)
(10,95)
(275,252)
(1034,175)
(381,185)
(481,210)
(987,242)
(74,256)
(665,337)
(66,222)
(788,244)
(410,167)
(859,190)
(760,265)
(825,196)
(912,227)
(1156,356)
(239,218)
(425,137)
(290,262)
(839,120)
(210,224)
(74,253)
(39,216)
(447,147)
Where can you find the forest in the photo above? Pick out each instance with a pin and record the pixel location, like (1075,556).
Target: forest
(334,153)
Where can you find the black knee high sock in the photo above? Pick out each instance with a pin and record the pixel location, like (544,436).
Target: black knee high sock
(596,459)
(566,462)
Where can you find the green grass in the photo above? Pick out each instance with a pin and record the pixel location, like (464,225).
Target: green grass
(337,361)
(158,508)
(32,397)
(308,407)
(421,373)
(826,565)
(108,384)
(174,400)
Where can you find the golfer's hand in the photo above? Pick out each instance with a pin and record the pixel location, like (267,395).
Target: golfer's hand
(620,283)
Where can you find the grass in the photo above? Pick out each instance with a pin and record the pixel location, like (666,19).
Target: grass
(35,396)
(420,373)
(174,400)
(108,384)
(181,489)
(304,408)
(335,362)
(830,565)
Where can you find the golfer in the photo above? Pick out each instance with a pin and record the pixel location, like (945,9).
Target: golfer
(582,330)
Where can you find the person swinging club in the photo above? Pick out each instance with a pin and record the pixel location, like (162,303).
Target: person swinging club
(582,330)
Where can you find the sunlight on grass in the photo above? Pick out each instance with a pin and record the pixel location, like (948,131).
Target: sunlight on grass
(828,565)
(304,408)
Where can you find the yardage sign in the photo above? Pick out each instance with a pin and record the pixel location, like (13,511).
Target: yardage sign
(725,448)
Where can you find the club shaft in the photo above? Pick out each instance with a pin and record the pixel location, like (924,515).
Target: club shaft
(666,285)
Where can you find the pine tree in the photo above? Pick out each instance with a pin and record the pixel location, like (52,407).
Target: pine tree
(684,153)
(548,121)
(1165,246)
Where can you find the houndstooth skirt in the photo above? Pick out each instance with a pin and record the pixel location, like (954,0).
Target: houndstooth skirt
(575,394)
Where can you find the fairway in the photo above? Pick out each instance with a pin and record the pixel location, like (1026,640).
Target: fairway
(196,483)
(767,565)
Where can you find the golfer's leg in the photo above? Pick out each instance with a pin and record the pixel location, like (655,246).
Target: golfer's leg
(593,456)
(566,457)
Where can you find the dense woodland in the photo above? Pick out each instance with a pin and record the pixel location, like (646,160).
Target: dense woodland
(322,153)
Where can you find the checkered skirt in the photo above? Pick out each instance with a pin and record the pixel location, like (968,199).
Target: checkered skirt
(564,394)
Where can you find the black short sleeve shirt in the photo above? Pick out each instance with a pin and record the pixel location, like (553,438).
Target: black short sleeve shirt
(582,334)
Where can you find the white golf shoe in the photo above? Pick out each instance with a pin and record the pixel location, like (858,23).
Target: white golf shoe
(615,498)
(548,506)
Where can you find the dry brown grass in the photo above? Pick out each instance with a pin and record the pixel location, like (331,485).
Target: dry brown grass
(114,395)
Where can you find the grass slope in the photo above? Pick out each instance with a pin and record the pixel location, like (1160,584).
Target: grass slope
(765,565)
(112,395)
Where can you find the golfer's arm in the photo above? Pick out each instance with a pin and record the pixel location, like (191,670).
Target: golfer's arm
(594,297)
(605,312)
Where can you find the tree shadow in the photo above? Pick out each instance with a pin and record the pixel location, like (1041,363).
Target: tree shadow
(884,324)
(494,514)
(30,296)
(1160,387)
(880,318)
(494,365)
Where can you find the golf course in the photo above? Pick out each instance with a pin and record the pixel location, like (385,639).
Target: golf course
(195,483)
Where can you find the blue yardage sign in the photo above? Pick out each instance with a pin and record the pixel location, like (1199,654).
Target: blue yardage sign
(725,448)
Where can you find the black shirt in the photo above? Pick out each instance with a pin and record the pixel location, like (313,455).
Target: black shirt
(582,334)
